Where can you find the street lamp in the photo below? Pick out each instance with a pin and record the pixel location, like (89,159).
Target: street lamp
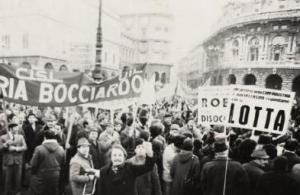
(97,72)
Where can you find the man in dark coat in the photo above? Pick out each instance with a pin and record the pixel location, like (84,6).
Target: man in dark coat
(185,166)
(47,162)
(278,181)
(213,174)
(256,168)
(289,152)
(31,129)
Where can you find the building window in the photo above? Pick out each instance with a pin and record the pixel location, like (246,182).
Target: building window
(156,76)
(284,27)
(235,49)
(231,79)
(277,49)
(274,81)
(163,78)
(25,41)
(253,49)
(275,27)
(249,79)
(6,41)
(49,66)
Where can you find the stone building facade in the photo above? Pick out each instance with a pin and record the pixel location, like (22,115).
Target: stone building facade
(256,42)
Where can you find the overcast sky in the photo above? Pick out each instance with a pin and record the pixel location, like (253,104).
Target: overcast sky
(193,22)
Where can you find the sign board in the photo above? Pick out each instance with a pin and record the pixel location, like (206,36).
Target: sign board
(260,109)
(50,88)
(213,105)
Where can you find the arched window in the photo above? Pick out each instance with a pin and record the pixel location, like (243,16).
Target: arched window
(278,47)
(26,65)
(249,79)
(63,68)
(48,66)
(156,76)
(163,78)
(253,49)
(274,81)
(231,79)
(235,48)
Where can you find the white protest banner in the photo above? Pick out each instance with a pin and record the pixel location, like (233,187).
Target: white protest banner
(261,109)
(213,105)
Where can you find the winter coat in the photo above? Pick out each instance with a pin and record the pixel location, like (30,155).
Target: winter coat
(12,157)
(123,180)
(213,175)
(276,183)
(185,166)
(292,159)
(147,184)
(97,156)
(78,175)
(47,162)
(254,171)
(30,136)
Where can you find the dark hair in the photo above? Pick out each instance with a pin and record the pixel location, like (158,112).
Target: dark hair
(155,130)
(129,119)
(139,141)
(49,134)
(81,134)
(123,118)
(280,163)
(85,123)
(10,117)
(178,140)
(144,135)
(270,150)
(291,145)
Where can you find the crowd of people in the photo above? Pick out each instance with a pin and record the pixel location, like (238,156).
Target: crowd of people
(157,150)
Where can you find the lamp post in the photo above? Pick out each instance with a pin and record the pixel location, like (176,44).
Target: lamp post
(97,72)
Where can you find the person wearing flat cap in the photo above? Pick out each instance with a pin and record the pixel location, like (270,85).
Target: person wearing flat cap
(12,145)
(82,173)
(256,168)
(213,173)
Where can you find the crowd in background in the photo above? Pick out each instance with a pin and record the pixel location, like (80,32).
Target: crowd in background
(151,150)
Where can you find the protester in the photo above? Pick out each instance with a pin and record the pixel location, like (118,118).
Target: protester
(46,165)
(256,168)
(31,129)
(278,181)
(290,153)
(214,173)
(149,183)
(185,171)
(169,154)
(82,170)
(107,139)
(12,145)
(119,177)
(97,155)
